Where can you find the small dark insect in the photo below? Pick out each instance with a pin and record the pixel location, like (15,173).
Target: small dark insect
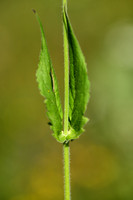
(50,124)
(34,11)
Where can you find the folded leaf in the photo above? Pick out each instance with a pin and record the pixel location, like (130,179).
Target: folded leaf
(79,84)
(48,87)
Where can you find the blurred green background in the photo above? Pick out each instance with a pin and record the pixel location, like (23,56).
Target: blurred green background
(31,163)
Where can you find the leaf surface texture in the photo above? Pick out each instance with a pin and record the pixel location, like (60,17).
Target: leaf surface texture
(48,87)
(79,84)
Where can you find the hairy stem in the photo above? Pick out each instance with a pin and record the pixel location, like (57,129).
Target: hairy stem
(66,147)
(67,192)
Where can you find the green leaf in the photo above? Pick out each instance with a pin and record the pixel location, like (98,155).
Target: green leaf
(48,87)
(79,84)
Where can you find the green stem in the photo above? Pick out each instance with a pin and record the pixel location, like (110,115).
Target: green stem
(67,192)
(66,112)
(66,78)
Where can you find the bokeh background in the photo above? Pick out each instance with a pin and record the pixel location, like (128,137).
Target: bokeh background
(31,163)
